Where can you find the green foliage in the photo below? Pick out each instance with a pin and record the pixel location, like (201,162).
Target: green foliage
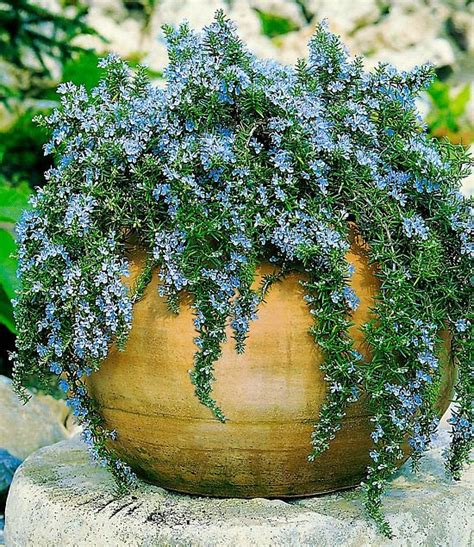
(8,264)
(82,70)
(447,112)
(6,311)
(30,38)
(274,25)
(13,200)
(21,145)
(21,150)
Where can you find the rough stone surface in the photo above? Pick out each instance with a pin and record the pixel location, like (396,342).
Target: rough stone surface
(59,498)
(346,15)
(25,428)
(468,183)
(401,32)
(409,32)
(289,9)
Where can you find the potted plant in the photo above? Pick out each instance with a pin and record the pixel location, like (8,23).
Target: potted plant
(291,233)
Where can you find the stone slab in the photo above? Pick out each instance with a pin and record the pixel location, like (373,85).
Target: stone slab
(26,427)
(58,498)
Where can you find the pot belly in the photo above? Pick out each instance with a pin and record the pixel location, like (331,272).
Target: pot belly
(270,395)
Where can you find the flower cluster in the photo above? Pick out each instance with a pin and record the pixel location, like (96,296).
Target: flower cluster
(234,162)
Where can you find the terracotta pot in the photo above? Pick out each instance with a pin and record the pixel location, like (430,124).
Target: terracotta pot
(271,396)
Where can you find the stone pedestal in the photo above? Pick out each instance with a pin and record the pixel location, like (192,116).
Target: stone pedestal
(58,498)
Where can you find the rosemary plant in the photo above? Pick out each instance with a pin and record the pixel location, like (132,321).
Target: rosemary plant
(238,161)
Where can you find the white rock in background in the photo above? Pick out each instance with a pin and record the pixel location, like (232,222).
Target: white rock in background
(196,12)
(25,428)
(249,29)
(114,8)
(51,5)
(157,56)
(59,498)
(173,12)
(410,32)
(129,38)
(399,30)
(200,14)
(440,9)
(124,35)
(288,9)
(468,183)
(402,38)
(437,51)
(463,22)
(294,45)
(345,16)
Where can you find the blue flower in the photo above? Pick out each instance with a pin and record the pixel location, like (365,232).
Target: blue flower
(257,146)
(161,190)
(78,212)
(462,427)
(336,387)
(426,357)
(351,298)
(374,455)
(87,437)
(415,226)
(378,433)
(423,185)
(216,150)
(132,149)
(63,385)
(461,325)
(395,183)
(55,368)
(282,160)
(240,240)
(423,376)
(111,59)
(398,421)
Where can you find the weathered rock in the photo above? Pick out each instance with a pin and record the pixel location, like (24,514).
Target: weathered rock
(123,35)
(200,14)
(25,428)
(59,498)
(462,22)
(283,8)
(346,15)
(8,466)
(468,183)
(437,51)
(405,38)
(250,30)
(402,32)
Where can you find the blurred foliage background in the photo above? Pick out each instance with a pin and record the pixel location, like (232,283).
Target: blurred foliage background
(45,42)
